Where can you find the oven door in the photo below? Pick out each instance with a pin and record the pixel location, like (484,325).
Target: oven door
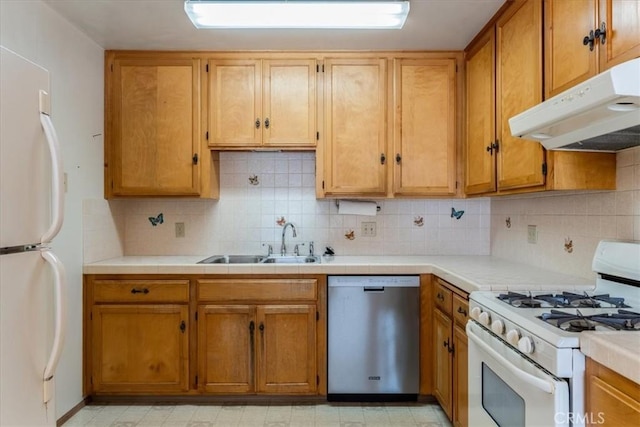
(507,389)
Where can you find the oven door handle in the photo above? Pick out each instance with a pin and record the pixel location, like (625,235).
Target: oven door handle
(546,386)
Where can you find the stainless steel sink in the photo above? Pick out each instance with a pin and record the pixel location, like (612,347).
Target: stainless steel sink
(233,259)
(260,259)
(291,259)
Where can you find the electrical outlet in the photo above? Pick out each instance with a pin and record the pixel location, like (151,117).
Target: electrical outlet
(179,229)
(368,229)
(532,234)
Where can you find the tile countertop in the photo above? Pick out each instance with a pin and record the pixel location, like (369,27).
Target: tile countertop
(617,351)
(469,273)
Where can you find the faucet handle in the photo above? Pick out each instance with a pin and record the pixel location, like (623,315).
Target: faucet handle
(269,248)
(311,248)
(296,250)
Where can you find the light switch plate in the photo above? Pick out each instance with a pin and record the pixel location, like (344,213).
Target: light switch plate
(532,234)
(179,229)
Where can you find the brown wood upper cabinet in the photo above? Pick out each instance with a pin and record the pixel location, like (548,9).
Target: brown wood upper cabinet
(585,37)
(424,136)
(498,61)
(415,155)
(152,127)
(262,103)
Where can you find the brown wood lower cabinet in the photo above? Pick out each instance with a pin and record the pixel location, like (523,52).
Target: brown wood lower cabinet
(190,335)
(139,336)
(612,400)
(450,314)
(258,336)
(257,348)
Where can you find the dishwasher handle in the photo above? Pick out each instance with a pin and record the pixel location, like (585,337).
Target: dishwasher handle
(378,289)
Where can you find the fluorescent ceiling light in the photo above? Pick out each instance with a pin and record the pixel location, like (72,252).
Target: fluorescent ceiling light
(297,14)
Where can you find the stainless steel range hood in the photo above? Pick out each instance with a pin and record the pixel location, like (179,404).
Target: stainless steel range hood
(600,114)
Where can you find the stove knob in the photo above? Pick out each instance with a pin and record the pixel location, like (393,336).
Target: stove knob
(513,337)
(485,319)
(475,313)
(525,345)
(497,327)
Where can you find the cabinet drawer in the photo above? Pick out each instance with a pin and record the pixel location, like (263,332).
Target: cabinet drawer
(442,297)
(257,290)
(141,291)
(460,310)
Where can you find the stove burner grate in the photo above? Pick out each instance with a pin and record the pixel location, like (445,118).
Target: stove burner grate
(623,320)
(565,299)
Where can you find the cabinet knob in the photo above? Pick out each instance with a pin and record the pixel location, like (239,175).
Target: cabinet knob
(601,33)
(398,158)
(258,123)
(195,159)
(494,146)
(588,40)
(266,123)
(383,158)
(183,326)
(462,311)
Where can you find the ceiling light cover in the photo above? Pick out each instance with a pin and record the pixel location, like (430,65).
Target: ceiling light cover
(352,14)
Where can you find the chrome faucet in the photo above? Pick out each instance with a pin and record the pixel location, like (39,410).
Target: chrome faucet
(283,247)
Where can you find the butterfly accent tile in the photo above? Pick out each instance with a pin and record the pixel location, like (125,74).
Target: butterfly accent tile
(281,221)
(253,180)
(156,220)
(350,235)
(418,221)
(456,214)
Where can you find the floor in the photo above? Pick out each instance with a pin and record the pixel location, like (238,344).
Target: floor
(305,415)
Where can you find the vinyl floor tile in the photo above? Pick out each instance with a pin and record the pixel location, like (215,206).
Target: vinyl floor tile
(304,415)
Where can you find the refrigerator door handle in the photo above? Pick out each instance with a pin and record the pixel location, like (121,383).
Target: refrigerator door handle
(57,179)
(60,323)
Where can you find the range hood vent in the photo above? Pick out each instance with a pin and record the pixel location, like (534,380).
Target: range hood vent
(600,114)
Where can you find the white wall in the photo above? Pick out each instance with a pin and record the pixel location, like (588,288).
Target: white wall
(31,29)
(584,218)
(246,216)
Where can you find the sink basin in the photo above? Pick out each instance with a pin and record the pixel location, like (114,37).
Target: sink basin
(291,259)
(260,259)
(233,259)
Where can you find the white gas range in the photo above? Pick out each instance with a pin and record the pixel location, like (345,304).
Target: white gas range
(525,366)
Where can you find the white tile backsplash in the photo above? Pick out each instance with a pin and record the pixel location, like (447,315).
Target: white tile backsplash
(584,217)
(243,221)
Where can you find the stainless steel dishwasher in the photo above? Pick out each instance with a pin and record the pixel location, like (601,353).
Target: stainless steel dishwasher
(373,338)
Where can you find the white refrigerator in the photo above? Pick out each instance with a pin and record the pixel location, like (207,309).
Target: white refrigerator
(32,279)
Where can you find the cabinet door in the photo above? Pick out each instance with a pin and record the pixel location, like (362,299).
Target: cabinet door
(519,50)
(442,373)
(424,144)
(460,378)
(235,102)
(622,22)
(226,348)
(287,349)
(140,348)
(355,123)
(155,127)
(289,110)
(567,60)
(480,162)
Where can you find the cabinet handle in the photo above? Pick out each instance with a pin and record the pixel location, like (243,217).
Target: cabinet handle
(266,123)
(494,146)
(139,291)
(588,40)
(252,327)
(383,158)
(440,297)
(601,33)
(195,159)
(450,349)
(183,327)
(258,123)
(261,327)
(446,344)
(462,311)
(398,158)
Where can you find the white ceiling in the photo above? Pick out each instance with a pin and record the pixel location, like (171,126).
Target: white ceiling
(163,25)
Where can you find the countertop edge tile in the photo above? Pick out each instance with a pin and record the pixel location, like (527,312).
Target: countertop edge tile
(617,351)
